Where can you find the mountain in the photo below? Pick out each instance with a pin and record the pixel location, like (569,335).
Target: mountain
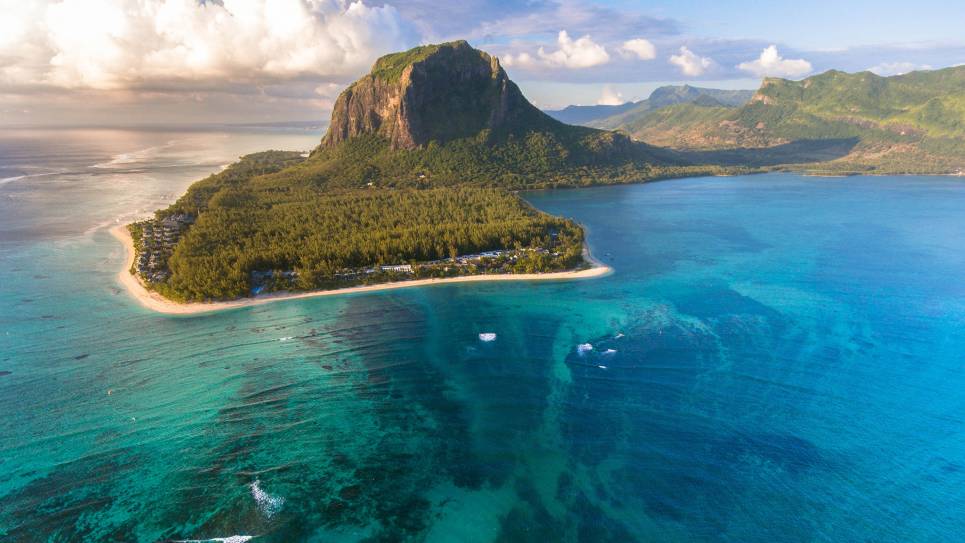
(912,123)
(587,114)
(430,93)
(448,114)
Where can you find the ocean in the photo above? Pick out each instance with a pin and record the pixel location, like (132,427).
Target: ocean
(775,358)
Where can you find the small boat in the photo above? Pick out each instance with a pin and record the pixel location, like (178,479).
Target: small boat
(584,348)
(602,367)
(487,336)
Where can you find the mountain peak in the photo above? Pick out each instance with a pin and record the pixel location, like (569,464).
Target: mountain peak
(432,92)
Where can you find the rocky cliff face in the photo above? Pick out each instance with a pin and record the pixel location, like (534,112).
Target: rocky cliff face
(434,92)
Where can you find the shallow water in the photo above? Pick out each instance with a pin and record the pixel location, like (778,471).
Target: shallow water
(775,358)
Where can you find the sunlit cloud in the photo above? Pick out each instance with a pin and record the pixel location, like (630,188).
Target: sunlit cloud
(770,63)
(640,48)
(897,68)
(120,44)
(572,54)
(690,63)
(610,97)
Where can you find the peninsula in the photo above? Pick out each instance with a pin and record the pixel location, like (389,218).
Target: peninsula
(414,184)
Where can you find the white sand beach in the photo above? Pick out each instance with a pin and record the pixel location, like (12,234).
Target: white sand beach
(156,302)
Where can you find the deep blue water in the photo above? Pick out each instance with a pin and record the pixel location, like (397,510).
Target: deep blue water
(787,366)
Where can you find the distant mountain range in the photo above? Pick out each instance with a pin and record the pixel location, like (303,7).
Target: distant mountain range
(587,114)
(609,117)
(913,123)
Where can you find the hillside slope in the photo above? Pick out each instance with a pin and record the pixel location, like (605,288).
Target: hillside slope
(913,123)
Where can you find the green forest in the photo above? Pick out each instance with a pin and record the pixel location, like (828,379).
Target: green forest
(248,222)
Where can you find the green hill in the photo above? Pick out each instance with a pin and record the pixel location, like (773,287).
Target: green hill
(912,123)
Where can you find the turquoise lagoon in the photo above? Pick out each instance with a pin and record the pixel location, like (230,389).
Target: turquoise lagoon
(775,358)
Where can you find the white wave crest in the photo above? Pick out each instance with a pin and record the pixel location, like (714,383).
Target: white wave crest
(229,539)
(135,157)
(269,505)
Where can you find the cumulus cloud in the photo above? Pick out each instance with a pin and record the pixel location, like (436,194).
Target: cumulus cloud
(523,60)
(897,68)
(119,44)
(770,63)
(640,48)
(690,63)
(580,53)
(573,54)
(610,97)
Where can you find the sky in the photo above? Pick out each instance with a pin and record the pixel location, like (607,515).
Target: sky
(138,62)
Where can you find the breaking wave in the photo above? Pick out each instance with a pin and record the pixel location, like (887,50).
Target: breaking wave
(269,505)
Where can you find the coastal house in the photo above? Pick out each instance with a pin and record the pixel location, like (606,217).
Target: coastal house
(401,268)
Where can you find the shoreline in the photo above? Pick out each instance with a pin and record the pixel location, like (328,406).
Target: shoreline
(156,302)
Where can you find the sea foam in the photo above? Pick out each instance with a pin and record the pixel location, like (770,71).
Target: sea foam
(229,539)
(269,505)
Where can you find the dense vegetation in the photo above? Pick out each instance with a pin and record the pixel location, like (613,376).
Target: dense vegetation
(570,157)
(390,67)
(265,223)
(913,123)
